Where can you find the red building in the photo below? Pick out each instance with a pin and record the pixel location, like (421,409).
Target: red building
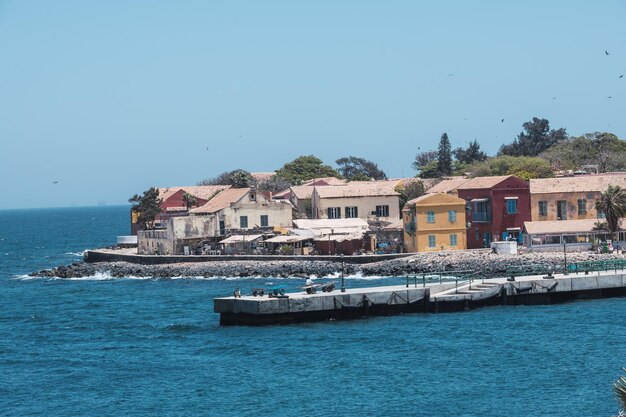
(497,208)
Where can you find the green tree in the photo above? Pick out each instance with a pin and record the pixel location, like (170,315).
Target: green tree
(422,159)
(273,184)
(304,168)
(238,178)
(536,138)
(444,156)
(470,155)
(359,169)
(612,203)
(430,170)
(412,190)
(189,201)
(522,166)
(599,148)
(148,206)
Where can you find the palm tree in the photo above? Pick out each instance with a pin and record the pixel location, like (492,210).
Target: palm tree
(619,388)
(189,200)
(612,203)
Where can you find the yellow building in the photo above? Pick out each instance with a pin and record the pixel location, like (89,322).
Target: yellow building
(434,222)
(570,198)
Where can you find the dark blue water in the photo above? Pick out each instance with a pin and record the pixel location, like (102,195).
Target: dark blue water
(98,346)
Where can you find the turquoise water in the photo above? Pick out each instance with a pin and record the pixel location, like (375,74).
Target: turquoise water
(100,346)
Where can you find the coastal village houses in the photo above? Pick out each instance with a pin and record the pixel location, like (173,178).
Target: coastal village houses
(173,204)
(233,211)
(434,222)
(496,207)
(367,200)
(564,213)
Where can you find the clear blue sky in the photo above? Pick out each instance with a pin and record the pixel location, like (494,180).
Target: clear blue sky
(109,98)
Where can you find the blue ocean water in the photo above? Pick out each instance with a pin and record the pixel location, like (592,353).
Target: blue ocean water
(100,346)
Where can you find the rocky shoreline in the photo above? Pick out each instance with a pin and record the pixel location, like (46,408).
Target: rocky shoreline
(485,263)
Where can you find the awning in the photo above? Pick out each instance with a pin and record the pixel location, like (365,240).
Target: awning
(288,239)
(241,238)
(479,200)
(513,229)
(511,198)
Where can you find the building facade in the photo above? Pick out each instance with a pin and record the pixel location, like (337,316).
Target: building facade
(570,198)
(376,200)
(434,222)
(496,209)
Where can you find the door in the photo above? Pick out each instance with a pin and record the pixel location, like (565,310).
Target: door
(486,239)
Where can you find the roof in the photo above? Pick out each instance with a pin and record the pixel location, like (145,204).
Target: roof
(302,191)
(262,176)
(447,186)
(560,226)
(288,239)
(330,223)
(437,198)
(327,180)
(341,237)
(581,183)
(222,200)
(483,182)
(241,238)
(204,192)
(359,189)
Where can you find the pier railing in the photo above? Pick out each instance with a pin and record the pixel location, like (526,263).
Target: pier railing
(461,277)
(584,267)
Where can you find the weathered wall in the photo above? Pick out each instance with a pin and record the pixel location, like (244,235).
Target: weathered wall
(279,214)
(366,205)
(572,205)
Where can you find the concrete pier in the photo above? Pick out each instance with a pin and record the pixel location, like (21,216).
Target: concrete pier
(417,298)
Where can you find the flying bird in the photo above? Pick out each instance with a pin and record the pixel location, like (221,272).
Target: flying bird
(502,121)
(609,97)
(450,75)
(553,98)
(621,76)
(606,52)
(54,182)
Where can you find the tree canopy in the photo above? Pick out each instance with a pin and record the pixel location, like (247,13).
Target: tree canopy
(359,169)
(536,138)
(470,155)
(412,190)
(147,205)
(422,159)
(599,148)
(444,156)
(523,166)
(238,178)
(304,168)
(612,203)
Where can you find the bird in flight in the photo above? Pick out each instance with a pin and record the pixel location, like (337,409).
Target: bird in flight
(502,121)
(450,75)
(606,52)
(54,182)
(621,76)
(609,97)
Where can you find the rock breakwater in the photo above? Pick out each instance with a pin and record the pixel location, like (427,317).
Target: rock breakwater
(487,264)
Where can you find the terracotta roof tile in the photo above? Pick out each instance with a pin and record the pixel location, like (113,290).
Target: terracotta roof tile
(581,183)
(222,200)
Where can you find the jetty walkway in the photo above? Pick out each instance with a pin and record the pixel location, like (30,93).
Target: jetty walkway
(423,297)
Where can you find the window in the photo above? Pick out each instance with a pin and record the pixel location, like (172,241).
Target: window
(582,206)
(243,222)
(264,220)
(511,206)
(451,216)
(430,217)
(222,228)
(432,243)
(252,196)
(382,211)
(352,212)
(561,210)
(601,214)
(453,239)
(334,212)
(543,208)
(481,210)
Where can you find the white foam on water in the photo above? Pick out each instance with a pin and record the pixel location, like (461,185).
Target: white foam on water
(78,254)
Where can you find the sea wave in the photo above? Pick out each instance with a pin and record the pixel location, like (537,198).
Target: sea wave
(77,254)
